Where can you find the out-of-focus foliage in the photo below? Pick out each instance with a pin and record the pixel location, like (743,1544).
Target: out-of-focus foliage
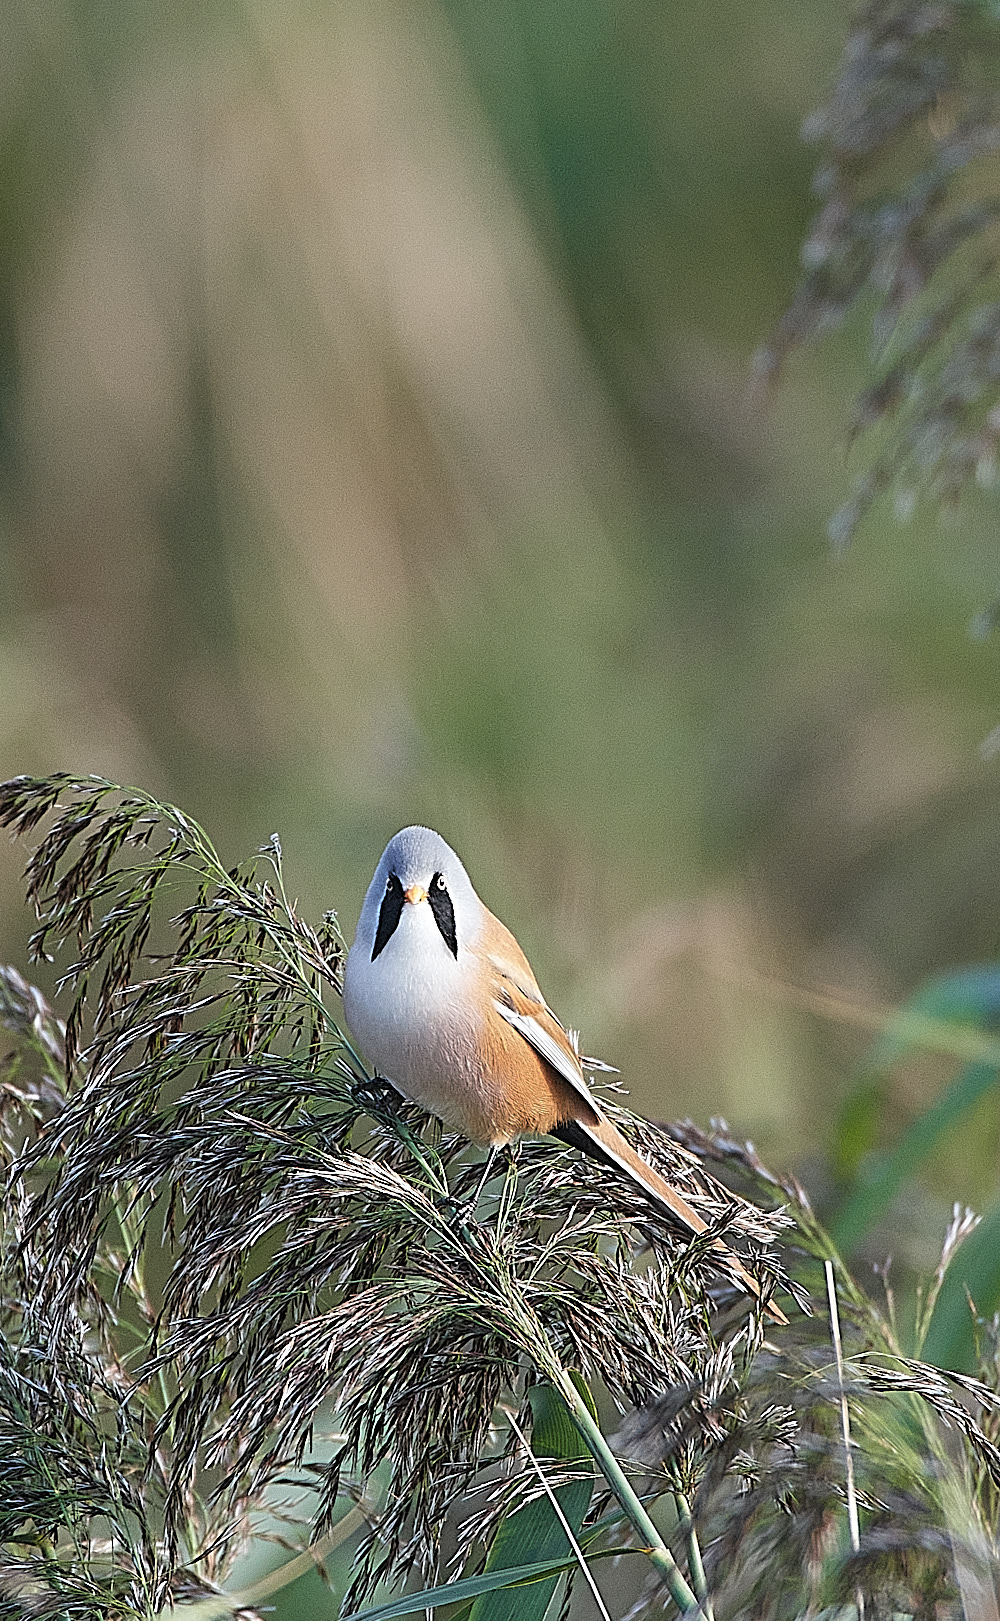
(909,142)
(955,1015)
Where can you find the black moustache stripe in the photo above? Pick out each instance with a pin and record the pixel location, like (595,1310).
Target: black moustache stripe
(389,915)
(444,913)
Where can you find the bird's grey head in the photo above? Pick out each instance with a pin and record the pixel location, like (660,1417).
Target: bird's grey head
(416,866)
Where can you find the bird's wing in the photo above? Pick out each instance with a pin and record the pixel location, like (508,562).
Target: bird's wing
(543,1031)
(517,998)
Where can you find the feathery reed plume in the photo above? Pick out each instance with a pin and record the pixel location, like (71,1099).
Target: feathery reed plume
(321,1242)
(219,1228)
(909,213)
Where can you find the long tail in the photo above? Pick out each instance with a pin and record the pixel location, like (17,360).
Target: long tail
(601,1141)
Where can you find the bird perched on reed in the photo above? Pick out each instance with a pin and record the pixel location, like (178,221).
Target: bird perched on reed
(441,999)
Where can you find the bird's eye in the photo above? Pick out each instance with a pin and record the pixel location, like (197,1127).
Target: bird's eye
(439,880)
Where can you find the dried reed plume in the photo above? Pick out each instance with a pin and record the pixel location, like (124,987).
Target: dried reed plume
(220,1229)
(908,219)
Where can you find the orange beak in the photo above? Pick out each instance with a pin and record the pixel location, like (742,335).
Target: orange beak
(414,894)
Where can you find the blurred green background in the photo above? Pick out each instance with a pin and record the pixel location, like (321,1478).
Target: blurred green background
(376,446)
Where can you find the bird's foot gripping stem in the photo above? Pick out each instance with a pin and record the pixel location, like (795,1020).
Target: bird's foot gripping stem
(376,1095)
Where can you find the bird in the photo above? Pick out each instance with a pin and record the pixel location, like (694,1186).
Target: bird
(441,1000)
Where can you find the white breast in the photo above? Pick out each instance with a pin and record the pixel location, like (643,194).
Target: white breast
(413,1014)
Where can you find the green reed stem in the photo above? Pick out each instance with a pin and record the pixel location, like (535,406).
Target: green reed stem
(656,1549)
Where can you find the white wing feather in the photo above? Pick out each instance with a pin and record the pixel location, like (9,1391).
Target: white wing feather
(548,1048)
